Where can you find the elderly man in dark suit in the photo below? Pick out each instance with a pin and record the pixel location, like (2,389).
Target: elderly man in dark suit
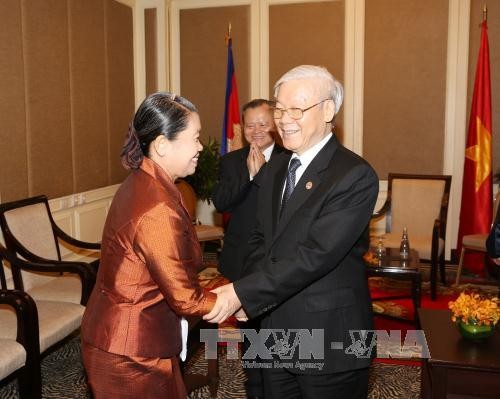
(305,270)
(236,192)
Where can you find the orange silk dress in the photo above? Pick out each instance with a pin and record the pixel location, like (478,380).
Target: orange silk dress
(147,279)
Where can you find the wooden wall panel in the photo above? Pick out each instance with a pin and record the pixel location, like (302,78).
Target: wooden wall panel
(47,89)
(66,97)
(318,41)
(405,85)
(120,81)
(150,48)
(88,94)
(204,60)
(476,16)
(13,162)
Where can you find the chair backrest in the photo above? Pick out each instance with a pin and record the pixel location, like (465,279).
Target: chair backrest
(188,197)
(27,226)
(416,201)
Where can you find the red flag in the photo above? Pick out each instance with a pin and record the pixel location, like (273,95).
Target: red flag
(476,209)
(231,128)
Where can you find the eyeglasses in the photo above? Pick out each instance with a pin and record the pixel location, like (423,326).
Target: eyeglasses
(294,113)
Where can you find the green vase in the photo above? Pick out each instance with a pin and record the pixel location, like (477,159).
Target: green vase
(474,331)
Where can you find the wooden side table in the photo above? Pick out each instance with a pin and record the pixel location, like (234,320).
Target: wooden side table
(456,365)
(392,266)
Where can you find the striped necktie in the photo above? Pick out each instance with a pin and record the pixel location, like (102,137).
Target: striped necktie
(290,181)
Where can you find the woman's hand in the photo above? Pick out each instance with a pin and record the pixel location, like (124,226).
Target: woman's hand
(241,315)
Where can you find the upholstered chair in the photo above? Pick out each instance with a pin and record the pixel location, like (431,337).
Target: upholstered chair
(19,342)
(30,232)
(475,242)
(57,318)
(420,203)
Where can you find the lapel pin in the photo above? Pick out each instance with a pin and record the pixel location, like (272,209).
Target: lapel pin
(309,185)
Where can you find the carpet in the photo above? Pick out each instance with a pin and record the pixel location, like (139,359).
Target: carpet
(63,377)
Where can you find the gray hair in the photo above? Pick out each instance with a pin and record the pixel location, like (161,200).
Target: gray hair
(333,86)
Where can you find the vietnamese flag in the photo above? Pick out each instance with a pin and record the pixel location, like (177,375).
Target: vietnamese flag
(231,128)
(476,209)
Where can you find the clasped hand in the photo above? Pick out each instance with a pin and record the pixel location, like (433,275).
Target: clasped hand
(226,305)
(255,160)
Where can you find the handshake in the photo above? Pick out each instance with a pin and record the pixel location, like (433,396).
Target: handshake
(226,305)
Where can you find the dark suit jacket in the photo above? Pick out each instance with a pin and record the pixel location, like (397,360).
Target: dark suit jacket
(235,193)
(305,270)
(493,240)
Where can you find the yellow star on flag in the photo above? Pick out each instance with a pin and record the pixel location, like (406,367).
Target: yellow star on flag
(480,153)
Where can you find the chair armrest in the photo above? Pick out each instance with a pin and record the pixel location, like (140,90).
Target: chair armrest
(73,241)
(27,318)
(29,337)
(84,270)
(382,211)
(30,256)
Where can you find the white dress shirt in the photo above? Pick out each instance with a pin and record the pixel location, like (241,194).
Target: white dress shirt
(307,157)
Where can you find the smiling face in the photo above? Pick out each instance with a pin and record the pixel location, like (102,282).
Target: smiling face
(180,156)
(302,134)
(259,126)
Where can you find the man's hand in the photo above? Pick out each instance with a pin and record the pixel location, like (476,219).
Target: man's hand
(226,305)
(255,160)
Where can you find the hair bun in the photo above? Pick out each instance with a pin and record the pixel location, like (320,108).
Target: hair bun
(131,155)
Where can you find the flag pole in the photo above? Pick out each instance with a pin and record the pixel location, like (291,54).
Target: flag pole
(228,34)
(231,131)
(485,12)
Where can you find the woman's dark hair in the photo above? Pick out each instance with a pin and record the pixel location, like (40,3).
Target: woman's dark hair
(160,113)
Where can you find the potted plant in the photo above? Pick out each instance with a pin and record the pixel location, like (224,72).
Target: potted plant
(205,177)
(203,182)
(475,315)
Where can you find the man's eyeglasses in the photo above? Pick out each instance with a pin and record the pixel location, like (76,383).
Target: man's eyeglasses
(294,113)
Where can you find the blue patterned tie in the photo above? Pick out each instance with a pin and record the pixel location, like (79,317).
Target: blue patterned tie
(290,181)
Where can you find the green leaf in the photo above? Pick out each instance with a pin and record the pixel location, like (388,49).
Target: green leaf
(205,177)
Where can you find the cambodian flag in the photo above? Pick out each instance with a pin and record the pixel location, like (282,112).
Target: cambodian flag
(231,128)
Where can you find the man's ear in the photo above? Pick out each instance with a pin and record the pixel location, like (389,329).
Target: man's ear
(328,111)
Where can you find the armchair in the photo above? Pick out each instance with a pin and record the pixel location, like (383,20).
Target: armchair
(475,242)
(20,354)
(420,203)
(30,232)
(45,322)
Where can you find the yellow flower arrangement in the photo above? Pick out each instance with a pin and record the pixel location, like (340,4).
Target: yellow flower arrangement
(475,309)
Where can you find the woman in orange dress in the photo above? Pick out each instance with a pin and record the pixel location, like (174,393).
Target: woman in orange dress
(147,278)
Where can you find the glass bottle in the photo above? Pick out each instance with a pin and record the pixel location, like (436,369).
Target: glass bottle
(404,248)
(380,248)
